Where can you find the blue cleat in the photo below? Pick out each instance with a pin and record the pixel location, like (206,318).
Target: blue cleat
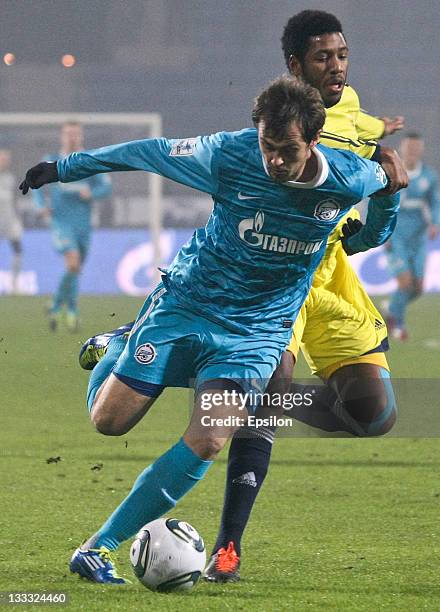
(96,565)
(94,349)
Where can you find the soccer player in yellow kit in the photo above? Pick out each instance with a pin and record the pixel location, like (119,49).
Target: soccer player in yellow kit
(339,324)
(340,332)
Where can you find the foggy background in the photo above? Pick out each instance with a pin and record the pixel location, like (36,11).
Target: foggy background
(200,62)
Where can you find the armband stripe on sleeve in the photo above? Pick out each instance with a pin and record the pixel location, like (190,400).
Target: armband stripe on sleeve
(370,143)
(376,155)
(337,138)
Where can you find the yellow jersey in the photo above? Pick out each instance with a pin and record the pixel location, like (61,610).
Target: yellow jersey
(348,127)
(338,322)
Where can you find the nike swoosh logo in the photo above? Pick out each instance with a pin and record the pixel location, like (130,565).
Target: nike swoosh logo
(241,196)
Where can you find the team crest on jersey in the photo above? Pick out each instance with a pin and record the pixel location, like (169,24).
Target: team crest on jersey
(381,176)
(327,210)
(183,147)
(145,353)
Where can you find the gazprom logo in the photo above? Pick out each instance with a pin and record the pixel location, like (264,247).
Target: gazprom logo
(249,229)
(250,232)
(259,221)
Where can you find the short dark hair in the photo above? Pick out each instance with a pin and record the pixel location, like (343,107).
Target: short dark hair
(72,122)
(296,36)
(287,100)
(413,135)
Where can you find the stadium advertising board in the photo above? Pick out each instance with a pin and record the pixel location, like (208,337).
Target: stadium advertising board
(121,261)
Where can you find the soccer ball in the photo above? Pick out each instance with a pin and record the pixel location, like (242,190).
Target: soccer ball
(168,555)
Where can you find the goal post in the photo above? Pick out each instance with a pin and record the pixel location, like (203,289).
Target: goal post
(152,121)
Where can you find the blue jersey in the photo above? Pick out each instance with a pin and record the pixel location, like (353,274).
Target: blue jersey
(251,267)
(420,203)
(68,208)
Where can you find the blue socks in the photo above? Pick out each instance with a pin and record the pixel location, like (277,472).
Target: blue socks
(66,293)
(156,490)
(72,292)
(103,369)
(60,295)
(398,305)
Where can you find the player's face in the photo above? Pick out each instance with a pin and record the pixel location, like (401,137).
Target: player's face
(5,160)
(285,159)
(411,150)
(325,66)
(72,138)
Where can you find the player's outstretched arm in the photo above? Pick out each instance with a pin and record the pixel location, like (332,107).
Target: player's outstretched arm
(39,175)
(392,125)
(380,223)
(369,127)
(188,161)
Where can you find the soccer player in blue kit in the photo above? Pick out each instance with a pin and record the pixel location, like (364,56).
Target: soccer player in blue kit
(69,208)
(223,314)
(419,221)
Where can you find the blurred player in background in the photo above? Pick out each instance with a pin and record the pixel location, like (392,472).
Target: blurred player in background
(342,335)
(69,209)
(418,222)
(10,224)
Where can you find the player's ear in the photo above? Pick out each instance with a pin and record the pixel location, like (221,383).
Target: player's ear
(295,67)
(315,140)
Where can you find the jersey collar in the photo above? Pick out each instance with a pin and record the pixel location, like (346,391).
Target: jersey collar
(320,176)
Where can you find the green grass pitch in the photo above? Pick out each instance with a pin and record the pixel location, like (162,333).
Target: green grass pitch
(341,524)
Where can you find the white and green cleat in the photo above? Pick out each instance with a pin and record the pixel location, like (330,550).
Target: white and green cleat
(94,349)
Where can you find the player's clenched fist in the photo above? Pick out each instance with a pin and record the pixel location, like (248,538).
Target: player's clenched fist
(39,175)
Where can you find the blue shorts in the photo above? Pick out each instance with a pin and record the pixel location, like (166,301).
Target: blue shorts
(408,254)
(172,346)
(71,239)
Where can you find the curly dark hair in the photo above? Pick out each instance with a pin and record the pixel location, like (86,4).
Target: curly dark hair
(288,99)
(295,40)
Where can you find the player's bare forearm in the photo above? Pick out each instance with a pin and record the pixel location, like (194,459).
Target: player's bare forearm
(394,169)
